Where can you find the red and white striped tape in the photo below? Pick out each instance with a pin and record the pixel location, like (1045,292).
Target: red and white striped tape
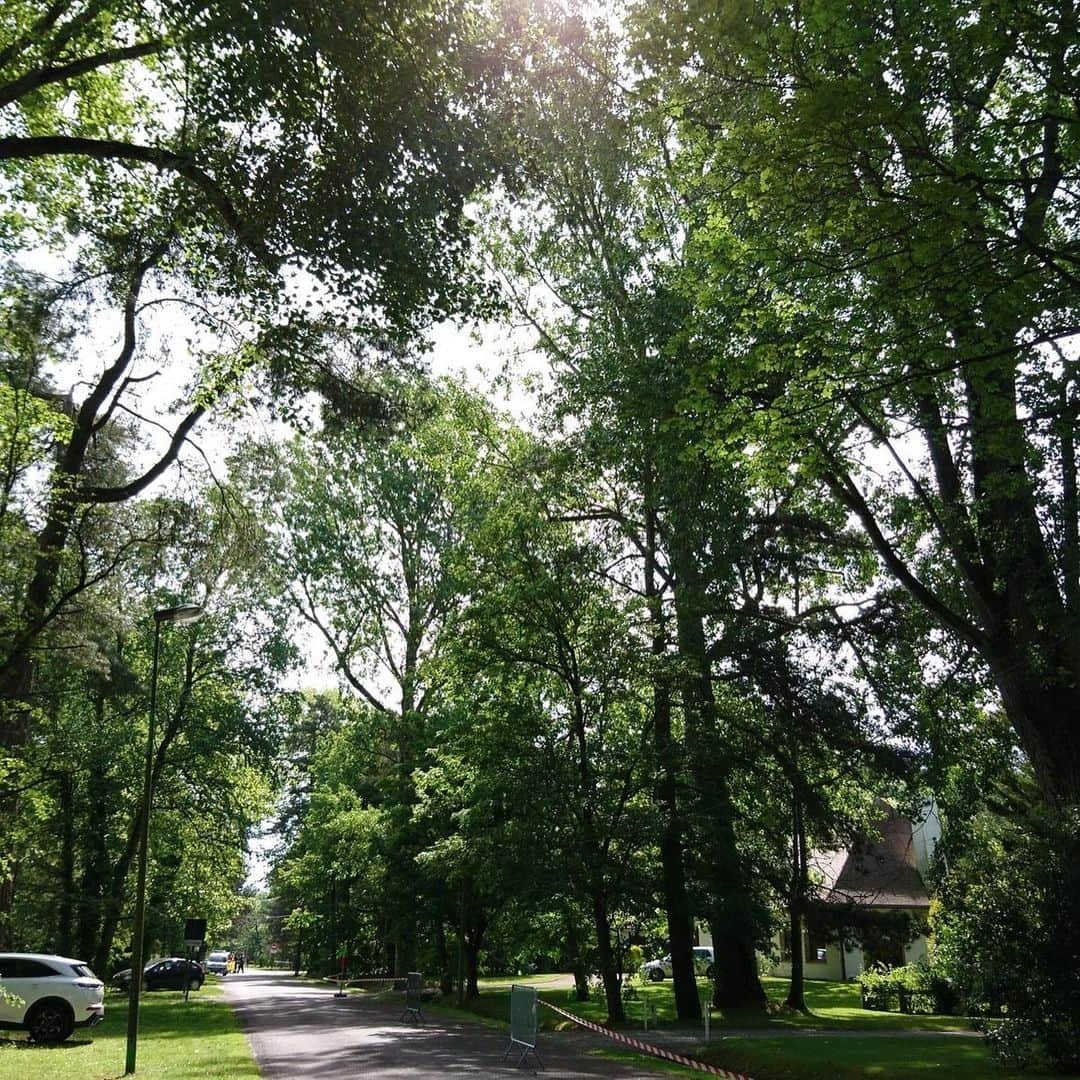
(647,1048)
(388,979)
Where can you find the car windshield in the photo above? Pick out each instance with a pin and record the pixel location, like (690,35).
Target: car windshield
(219,956)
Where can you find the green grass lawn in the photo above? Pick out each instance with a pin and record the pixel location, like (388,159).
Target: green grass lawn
(832,1005)
(837,1004)
(872,1048)
(885,1057)
(199,1040)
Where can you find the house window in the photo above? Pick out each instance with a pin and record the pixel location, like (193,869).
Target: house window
(817,949)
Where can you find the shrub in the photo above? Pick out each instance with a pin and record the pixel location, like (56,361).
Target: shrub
(1008,932)
(913,988)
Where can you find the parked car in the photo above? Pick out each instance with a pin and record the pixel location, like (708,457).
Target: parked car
(170,973)
(49,996)
(217,963)
(658,970)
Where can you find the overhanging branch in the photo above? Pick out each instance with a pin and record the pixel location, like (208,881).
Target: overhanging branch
(15,147)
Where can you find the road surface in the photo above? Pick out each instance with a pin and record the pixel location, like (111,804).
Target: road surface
(302,1032)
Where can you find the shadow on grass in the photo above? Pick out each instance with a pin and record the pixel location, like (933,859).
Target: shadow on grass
(27,1045)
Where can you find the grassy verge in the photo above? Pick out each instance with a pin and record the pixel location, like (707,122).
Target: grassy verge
(868,1045)
(199,1040)
(838,1005)
(832,1006)
(885,1057)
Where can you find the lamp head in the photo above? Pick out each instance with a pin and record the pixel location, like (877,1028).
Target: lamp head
(182,613)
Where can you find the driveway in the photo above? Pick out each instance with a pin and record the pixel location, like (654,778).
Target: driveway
(298,1031)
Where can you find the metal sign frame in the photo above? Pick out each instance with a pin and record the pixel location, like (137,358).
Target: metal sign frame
(414,987)
(524,1005)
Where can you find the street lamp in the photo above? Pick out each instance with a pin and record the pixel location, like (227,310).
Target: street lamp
(183,613)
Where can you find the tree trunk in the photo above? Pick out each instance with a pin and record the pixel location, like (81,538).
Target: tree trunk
(736,984)
(732,909)
(473,943)
(461,948)
(668,756)
(796,905)
(609,972)
(65,912)
(577,961)
(442,958)
(95,847)
(8,882)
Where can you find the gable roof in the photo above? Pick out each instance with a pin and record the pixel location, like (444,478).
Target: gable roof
(879,872)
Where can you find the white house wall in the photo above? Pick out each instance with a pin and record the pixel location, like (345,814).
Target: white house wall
(835,969)
(925,834)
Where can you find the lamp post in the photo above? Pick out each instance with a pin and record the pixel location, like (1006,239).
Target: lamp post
(183,613)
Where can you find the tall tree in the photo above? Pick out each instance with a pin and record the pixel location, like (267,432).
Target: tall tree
(881,210)
(221,157)
(367,527)
(542,606)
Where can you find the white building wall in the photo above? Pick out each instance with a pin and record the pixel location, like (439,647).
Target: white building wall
(916,951)
(853,961)
(832,969)
(925,835)
(849,967)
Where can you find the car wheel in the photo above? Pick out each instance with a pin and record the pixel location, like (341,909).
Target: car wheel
(195,983)
(51,1022)
(656,975)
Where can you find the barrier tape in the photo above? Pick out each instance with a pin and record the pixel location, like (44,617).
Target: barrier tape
(388,979)
(647,1048)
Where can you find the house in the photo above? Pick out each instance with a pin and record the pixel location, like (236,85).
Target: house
(878,881)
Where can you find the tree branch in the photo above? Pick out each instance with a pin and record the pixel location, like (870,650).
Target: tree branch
(126,491)
(181,164)
(29,82)
(844,488)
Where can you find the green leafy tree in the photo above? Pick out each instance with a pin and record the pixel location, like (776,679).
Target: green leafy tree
(368,527)
(880,214)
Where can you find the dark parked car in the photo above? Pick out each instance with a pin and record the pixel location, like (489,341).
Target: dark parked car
(172,973)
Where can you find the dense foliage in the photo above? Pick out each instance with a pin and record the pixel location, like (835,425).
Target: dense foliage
(792,527)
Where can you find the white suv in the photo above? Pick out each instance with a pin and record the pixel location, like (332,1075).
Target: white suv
(55,995)
(658,970)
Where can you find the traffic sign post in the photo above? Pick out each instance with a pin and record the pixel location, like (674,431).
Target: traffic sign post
(194,939)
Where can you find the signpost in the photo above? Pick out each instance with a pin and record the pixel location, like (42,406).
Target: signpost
(341,980)
(194,939)
(524,1002)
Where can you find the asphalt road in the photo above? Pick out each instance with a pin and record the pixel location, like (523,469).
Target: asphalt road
(298,1031)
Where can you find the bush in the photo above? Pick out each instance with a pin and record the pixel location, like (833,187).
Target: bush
(1008,932)
(913,988)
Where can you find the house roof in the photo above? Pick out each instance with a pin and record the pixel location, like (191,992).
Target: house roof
(879,872)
